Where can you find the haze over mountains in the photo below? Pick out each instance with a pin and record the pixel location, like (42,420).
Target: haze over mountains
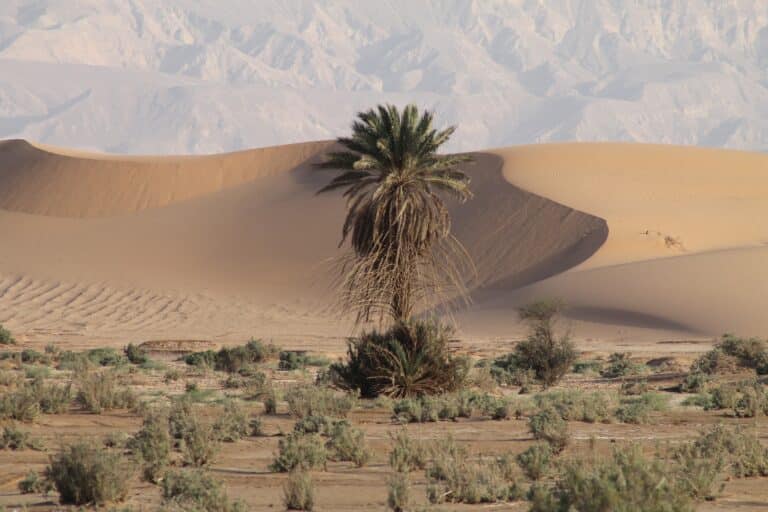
(184,76)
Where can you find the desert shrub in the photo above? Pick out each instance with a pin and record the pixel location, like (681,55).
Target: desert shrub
(543,352)
(34,483)
(270,402)
(199,443)
(745,399)
(633,387)
(620,364)
(637,409)
(299,491)
(577,405)
(506,370)
(306,401)
(31,356)
(197,491)
(627,482)
(151,446)
(180,416)
(450,406)
(205,359)
(548,425)
(53,399)
(83,473)
(454,477)
(590,366)
(314,425)
(105,356)
(407,454)
(410,359)
(694,382)
(742,451)
(135,354)
(303,451)
(6,338)
(697,475)
(751,353)
(347,443)
(100,391)
(535,460)
(232,424)
(13,438)
(36,372)
(20,405)
(298,360)
(399,492)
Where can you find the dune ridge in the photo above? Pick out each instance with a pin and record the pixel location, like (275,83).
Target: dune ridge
(228,246)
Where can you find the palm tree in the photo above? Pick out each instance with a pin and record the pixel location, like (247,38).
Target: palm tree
(403,254)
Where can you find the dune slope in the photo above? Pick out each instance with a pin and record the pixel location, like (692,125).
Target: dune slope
(228,246)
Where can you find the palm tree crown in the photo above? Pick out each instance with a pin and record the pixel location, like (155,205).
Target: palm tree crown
(397,223)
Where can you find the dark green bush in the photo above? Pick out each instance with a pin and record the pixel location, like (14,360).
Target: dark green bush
(233,359)
(6,338)
(136,354)
(620,364)
(13,438)
(548,425)
(34,483)
(410,359)
(543,352)
(84,473)
(151,446)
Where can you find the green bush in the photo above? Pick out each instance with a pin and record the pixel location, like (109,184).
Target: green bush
(304,401)
(742,451)
(535,461)
(34,483)
(410,359)
(399,492)
(233,359)
(548,425)
(299,491)
(732,352)
(6,338)
(136,354)
(694,382)
(577,405)
(197,491)
(180,417)
(298,360)
(454,477)
(543,352)
(347,443)
(620,364)
(232,424)
(20,405)
(303,451)
(745,399)
(13,438)
(637,410)
(407,454)
(151,446)
(84,473)
(100,391)
(627,482)
(199,443)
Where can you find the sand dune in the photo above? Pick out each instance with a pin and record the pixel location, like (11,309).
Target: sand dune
(227,246)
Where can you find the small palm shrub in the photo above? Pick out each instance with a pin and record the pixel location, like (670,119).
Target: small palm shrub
(399,492)
(34,483)
(6,338)
(577,405)
(151,446)
(347,443)
(196,490)
(299,491)
(620,364)
(101,391)
(303,451)
(199,443)
(410,359)
(304,401)
(548,425)
(543,352)
(535,461)
(407,454)
(232,424)
(84,473)
(626,482)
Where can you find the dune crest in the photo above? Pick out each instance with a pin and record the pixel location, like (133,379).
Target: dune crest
(228,246)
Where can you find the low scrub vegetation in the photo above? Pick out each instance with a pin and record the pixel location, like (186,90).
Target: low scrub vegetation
(302,451)
(620,364)
(299,491)
(13,438)
(233,359)
(549,426)
(6,338)
(196,490)
(101,391)
(408,454)
(410,359)
(535,461)
(304,401)
(638,409)
(290,360)
(151,446)
(84,473)
(232,423)
(577,405)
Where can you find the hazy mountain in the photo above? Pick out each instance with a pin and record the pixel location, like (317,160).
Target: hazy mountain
(161,76)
